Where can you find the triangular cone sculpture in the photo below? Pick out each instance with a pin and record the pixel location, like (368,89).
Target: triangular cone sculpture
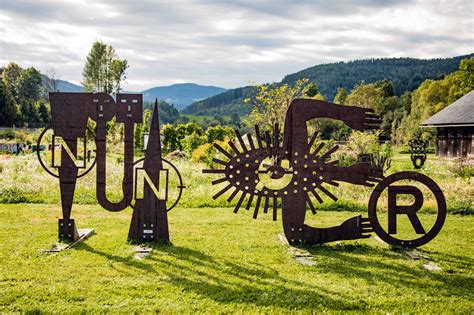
(150,220)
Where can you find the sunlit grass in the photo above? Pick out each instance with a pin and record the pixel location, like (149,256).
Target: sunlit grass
(222,262)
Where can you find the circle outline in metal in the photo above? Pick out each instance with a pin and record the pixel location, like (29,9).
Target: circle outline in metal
(407,175)
(38,155)
(180,186)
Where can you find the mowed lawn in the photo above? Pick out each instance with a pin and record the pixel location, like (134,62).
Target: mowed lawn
(222,262)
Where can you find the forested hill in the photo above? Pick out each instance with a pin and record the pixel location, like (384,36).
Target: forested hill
(406,74)
(226,103)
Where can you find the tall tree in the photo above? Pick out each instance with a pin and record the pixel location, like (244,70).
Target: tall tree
(10,75)
(341,96)
(365,95)
(103,70)
(28,85)
(272,101)
(8,107)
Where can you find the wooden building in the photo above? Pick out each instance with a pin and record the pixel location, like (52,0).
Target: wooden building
(455,128)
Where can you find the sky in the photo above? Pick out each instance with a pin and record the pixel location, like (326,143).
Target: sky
(228,43)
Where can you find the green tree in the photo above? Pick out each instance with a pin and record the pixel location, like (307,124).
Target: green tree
(103,70)
(28,85)
(218,133)
(365,95)
(235,120)
(170,138)
(272,101)
(138,135)
(44,113)
(311,90)
(340,97)
(10,76)
(190,142)
(8,107)
(386,87)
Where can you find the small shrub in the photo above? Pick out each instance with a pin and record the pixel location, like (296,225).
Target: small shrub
(12,195)
(462,168)
(7,134)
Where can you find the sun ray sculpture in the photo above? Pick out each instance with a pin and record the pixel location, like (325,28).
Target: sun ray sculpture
(256,161)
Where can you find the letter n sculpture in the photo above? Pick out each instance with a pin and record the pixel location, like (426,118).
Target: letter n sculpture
(145,183)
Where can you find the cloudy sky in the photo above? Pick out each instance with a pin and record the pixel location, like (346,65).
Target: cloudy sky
(228,43)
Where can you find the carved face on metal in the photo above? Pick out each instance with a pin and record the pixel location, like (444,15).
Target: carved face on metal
(418,149)
(302,171)
(71,113)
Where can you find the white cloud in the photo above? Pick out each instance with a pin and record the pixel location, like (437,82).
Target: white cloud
(228,43)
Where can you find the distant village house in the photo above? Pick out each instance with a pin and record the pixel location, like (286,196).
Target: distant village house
(455,128)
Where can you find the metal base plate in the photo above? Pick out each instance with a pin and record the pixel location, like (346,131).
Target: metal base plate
(60,246)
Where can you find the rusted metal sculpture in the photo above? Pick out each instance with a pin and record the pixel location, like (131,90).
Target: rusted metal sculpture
(308,172)
(417,148)
(70,115)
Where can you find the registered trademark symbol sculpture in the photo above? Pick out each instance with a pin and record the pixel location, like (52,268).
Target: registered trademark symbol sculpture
(149,197)
(248,172)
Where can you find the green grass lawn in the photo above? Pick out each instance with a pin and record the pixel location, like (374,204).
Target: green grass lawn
(199,118)
(221,262)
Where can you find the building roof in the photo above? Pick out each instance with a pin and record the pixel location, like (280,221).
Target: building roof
(459,113)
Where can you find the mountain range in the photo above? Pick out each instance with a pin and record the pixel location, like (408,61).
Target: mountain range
(406,74)
(180,95)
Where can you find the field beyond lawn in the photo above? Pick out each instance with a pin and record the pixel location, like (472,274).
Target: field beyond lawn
(221,262)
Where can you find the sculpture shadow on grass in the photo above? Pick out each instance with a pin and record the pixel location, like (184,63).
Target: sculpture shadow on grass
(378,264)
(250,283)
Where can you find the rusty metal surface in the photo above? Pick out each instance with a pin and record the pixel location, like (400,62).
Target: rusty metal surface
(410,210)
(418,148)
(308,167)
(150,219)
(70,115)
